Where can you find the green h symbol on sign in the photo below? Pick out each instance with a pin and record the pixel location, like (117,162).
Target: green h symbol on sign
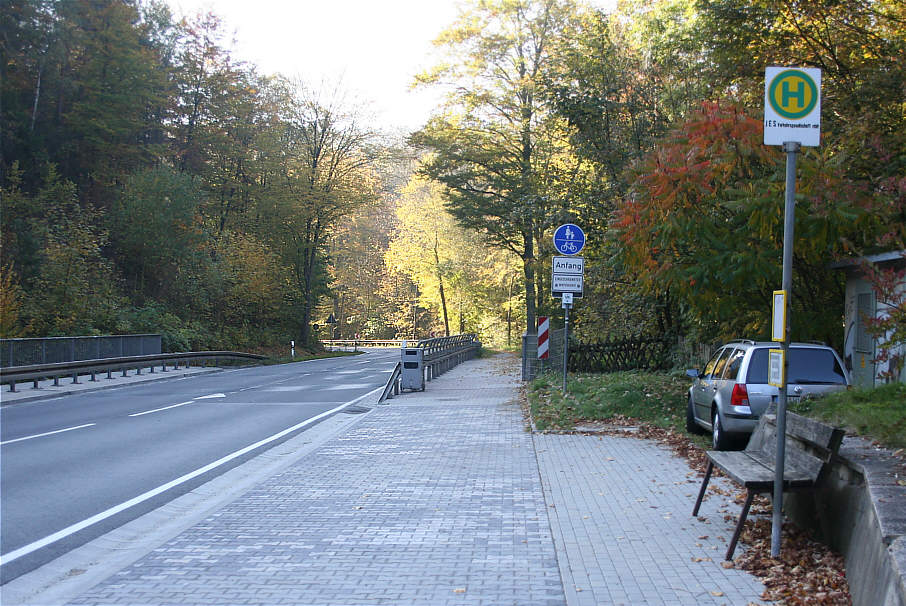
(786,94)
(793,94)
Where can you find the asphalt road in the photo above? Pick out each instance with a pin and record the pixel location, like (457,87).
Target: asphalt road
(73,468)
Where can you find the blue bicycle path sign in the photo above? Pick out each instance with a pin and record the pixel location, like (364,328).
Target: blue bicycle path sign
(569,239)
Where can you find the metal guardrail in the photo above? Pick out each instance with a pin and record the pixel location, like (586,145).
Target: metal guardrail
(440,360)
(36,372)
(393,384)
(440,355)
(440,345)
(356,343)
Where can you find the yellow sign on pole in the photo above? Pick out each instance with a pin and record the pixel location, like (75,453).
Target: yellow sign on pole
(776,368)
(778,317)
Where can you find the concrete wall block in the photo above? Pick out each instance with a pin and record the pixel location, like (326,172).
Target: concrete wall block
(859,511)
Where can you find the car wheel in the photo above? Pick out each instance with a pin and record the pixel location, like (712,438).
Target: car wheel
(691,425)
(718,436)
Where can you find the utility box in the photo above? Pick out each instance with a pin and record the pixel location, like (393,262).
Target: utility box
(413,372)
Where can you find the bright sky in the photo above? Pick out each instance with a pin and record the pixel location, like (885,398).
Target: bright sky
(373,48)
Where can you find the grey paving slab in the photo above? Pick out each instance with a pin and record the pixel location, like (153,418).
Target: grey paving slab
(434,499)
(620,512)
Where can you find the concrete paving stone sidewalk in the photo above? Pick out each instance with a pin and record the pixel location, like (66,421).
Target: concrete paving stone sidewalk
(443,497)
(620,512)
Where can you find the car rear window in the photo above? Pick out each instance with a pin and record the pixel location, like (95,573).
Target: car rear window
(733,364)
(806,367)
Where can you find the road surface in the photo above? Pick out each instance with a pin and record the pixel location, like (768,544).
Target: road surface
(76,467)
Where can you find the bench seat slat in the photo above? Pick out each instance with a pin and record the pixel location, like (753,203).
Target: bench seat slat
(756,473)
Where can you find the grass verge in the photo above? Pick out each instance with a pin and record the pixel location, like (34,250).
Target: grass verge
(655,398)
(878,414)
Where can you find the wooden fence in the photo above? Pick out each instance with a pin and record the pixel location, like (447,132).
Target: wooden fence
(627,354)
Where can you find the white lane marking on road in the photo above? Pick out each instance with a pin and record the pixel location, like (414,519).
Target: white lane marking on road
(346,386)
(74,528)
(49,433)
(147,412)
(213,395)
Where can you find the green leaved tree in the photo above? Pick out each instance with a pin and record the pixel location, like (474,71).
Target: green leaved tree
(496,146)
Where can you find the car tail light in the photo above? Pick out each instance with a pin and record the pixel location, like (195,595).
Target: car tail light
(740,395)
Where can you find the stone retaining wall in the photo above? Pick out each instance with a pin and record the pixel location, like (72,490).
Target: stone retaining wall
(859,509)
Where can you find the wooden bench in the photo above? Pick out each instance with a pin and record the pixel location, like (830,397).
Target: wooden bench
(810,445)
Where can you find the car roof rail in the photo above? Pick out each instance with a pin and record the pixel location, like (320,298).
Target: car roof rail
(747,341)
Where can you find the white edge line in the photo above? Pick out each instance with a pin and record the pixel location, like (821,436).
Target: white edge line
(49,433)
(74,528)
(147,412)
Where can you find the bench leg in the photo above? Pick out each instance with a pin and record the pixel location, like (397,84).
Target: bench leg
(742,520)
(701,492)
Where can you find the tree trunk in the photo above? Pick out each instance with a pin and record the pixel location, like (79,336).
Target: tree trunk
(528,264)
(34,109)
(309,259)
(440,282)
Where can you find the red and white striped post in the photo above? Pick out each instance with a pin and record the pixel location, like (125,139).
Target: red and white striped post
(544,325)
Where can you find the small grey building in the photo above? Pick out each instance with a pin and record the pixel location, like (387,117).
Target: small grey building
(860,349)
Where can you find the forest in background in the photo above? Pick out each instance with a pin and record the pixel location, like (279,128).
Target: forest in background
(151,182)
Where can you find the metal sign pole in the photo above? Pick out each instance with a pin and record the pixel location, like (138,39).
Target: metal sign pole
(789,216)
(565,342)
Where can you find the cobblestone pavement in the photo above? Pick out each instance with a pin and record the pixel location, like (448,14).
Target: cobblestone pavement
(620,511)
(434,499)
(443,497)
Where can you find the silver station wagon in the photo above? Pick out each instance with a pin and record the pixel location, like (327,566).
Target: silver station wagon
(732,391)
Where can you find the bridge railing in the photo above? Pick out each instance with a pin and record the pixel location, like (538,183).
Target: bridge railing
(50,350)
(439,355)
(356,343)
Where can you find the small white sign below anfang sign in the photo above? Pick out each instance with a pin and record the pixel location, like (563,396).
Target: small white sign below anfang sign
(567,283)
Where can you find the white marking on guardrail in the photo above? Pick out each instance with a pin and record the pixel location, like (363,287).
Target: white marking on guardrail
(74,528)
(49,433)
(147,412)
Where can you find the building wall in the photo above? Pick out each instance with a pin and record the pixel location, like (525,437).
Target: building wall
(860,349)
